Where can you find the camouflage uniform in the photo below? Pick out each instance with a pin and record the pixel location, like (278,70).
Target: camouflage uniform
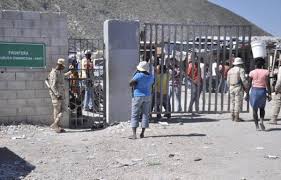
(57,91)
(277,98)
(236,80)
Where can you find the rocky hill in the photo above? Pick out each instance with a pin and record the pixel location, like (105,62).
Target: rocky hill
(86,17)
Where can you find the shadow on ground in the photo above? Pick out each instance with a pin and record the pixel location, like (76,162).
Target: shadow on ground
(178,135)
(12,166)
(184,120)
(273,129)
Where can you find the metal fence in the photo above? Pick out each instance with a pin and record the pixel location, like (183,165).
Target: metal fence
(86,84)
(210,50)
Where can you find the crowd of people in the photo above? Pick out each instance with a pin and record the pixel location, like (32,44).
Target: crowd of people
(167,83)
(170,75)
(153,90)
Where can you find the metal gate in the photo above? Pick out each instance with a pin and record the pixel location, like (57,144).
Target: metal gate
(171,48)
(86,84)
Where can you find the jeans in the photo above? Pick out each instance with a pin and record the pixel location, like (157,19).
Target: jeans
(177,95)
(214,83)
(88,98)
(187,83)
(140,108)
(195,95)
(223,86)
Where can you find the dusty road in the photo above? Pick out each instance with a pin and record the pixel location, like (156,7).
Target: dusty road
(207,147)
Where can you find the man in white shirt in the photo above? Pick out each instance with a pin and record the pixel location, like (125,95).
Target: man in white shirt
(214,76)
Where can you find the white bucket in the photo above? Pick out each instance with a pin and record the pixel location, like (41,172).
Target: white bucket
(258,49)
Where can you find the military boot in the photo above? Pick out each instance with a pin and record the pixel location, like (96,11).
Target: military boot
(56,127)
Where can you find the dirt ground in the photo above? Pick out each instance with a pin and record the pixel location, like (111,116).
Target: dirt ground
(207,147)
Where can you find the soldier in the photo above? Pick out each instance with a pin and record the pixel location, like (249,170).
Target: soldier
(237,82)
(277,98)
(56,90)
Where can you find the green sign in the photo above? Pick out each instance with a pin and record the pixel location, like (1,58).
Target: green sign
(22,55)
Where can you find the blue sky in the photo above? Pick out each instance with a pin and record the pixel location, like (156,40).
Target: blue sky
(264,13)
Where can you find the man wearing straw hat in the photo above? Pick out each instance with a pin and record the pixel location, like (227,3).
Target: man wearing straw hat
(237,82)
(55,84)
(277,97)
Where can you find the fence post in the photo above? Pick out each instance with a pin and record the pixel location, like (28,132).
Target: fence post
(121,40)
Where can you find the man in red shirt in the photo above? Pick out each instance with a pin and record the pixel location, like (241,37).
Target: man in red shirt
(193,73)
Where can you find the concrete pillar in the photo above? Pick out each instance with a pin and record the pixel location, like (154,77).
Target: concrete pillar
(121,39)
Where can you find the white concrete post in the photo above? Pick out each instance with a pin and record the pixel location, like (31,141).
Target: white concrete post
(121,40)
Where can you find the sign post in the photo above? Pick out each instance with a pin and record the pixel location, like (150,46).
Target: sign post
(32,55)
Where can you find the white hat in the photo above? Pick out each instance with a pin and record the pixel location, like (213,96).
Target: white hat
(143,66)
(238,61)
(61,61)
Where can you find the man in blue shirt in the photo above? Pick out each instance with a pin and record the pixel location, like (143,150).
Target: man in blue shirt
(141,84)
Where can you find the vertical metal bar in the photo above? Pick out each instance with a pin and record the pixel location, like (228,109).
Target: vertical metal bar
(150,47)
(198,64)
(210,69)
(82,51)
(186,67)
(162,65)
(237,41)
(217,62)
(168,61)
(104,83)
(99,75)
(173,78)
(229,61)
(249,54)
(223,68)
(180,69)
(204,70)
(151,62)
(155,73)
(193,65)
(69,50)
(244,57)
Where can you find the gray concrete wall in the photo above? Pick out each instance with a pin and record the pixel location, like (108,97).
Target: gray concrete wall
(23,95)
(121,40)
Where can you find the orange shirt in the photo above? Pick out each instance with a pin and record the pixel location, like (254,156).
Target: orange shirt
(193,73)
